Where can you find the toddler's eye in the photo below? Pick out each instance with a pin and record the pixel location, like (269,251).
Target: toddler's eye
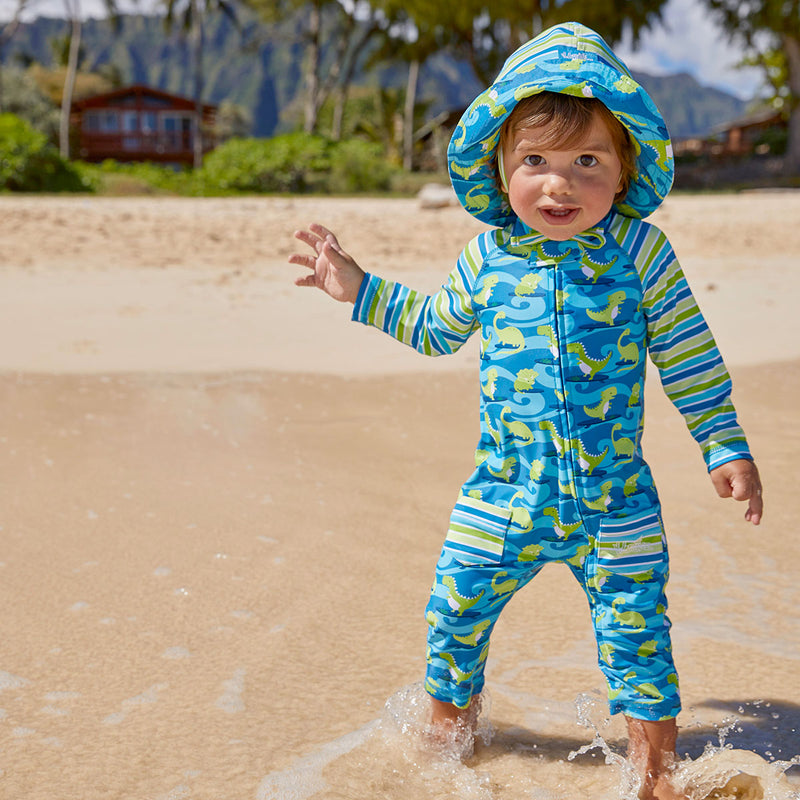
(533,161)
(587,160)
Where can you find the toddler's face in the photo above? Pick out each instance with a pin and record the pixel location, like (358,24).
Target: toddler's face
(560,193)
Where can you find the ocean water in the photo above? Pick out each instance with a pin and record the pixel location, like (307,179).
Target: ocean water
(747,757)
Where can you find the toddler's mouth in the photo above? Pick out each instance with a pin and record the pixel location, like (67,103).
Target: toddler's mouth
(559,215)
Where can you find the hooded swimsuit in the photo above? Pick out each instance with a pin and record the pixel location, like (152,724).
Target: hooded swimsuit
(564,330)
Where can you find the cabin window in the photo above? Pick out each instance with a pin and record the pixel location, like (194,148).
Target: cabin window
(101,121)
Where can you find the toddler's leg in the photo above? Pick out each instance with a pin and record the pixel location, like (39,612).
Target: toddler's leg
(651,747)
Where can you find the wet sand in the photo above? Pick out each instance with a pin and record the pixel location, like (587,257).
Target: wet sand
(222,504)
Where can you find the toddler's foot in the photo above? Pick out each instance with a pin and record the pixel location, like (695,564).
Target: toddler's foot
(452,730)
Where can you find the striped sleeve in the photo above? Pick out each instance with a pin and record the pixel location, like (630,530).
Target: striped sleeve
(435,324)
(683,349)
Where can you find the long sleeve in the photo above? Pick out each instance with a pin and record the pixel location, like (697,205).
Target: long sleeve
(683,349)
(435,324)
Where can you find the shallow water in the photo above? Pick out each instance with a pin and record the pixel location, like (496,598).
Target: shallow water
(391,758)
(186,569)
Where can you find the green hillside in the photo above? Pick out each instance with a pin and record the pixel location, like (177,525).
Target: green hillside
(259,68)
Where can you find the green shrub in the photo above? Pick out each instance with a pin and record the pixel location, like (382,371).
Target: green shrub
(298,163)
(28,163)
(358,166)
(293,162)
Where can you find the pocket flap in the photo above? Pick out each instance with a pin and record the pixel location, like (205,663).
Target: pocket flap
(631,545)
(477,531)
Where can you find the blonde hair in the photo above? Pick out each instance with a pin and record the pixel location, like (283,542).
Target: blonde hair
(567,120)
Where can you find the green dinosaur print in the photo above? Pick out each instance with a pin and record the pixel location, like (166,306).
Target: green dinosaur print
(482,297)
(465,172)
(506,471)
(625,85)
(628,352)
(587,461)
(476,635)
(607,653)
(664,156)
(602,408)
(561,298)
(588,366)
(613,694)
(509,335)
(647,649)
(537,467)
(477,202)
(489,100)
(504,587)
(568,488)
(520,515)
(632,619)
(630,485)
(622,446)
(530,281)
(456,601)
(602,502)
(651,690)
(581,553)
(525,379)
(636,391)
(530,553)
(581,89)
(572,65)
(519,430)
(458,675)
(562,444)
(643,577)
(493,432)
(490,386)
(595,271)
(480,457)
(547,330)
(598,580)
(611,311)
(559,527)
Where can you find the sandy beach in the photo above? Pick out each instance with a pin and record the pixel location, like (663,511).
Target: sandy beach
(222,503)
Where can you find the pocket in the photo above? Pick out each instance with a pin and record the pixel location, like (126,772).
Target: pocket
(477,531)
(632,546)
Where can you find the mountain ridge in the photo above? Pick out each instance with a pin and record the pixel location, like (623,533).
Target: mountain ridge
(259,67)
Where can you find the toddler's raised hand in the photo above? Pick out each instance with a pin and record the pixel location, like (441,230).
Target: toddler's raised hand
(332,270)
(739,479)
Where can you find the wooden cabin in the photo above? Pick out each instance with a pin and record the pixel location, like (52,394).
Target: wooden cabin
(138,123)
(741,136)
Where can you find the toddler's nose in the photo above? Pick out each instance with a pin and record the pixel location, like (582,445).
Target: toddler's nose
(557,183)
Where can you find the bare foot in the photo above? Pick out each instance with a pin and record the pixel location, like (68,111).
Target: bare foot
(651,748)
(452,729)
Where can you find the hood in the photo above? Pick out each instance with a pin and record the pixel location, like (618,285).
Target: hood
(568,59)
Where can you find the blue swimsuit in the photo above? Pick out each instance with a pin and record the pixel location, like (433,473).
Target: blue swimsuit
(559,474)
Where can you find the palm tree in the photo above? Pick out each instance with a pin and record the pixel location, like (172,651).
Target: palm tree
(74,17)
(191,15)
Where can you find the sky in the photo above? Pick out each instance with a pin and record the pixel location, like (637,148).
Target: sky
(688,40)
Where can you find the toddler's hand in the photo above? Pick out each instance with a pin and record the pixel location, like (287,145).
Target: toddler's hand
(332,270)
(739,479)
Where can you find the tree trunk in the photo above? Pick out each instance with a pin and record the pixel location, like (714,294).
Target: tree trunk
(791,46)
(338,113)
(69,80)
(312,69)
(408,115)
(198,35)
